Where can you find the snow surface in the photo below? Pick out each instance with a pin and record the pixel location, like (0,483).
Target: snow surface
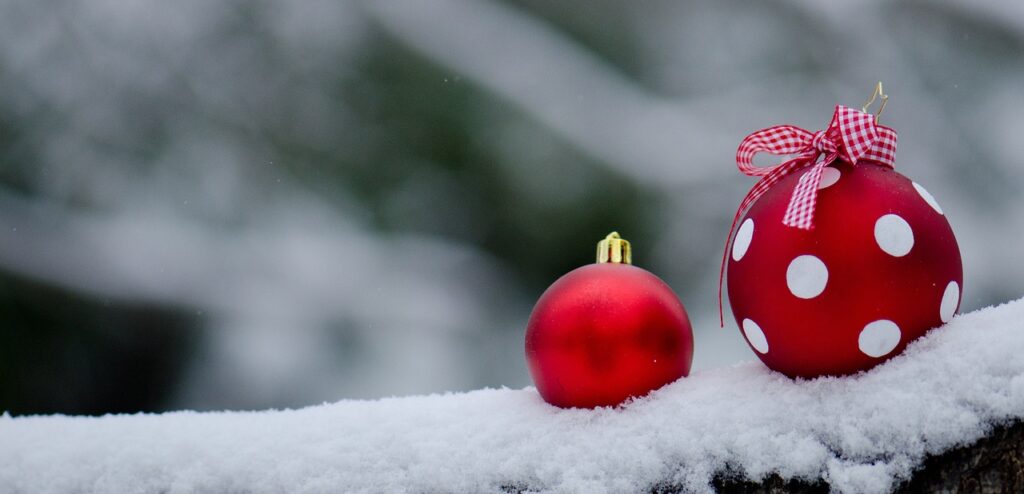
(861,434)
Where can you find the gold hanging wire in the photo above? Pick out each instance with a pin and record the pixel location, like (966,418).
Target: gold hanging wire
(877,94)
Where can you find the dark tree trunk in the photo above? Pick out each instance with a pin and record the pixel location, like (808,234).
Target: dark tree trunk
(994,464)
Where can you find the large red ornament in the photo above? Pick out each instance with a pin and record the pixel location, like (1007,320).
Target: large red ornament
(606,332)
(879,268)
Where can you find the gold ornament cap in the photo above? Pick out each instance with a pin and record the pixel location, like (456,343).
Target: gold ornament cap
(614,249)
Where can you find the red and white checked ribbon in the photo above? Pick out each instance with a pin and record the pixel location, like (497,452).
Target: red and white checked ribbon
(852,136)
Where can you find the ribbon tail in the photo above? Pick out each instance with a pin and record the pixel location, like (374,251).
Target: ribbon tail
(800,211)
(762,186)
(725,258)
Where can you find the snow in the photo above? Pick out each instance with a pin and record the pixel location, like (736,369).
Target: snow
(861,434)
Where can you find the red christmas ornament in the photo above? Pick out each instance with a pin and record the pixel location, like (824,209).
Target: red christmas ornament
(606,332)
(839,263)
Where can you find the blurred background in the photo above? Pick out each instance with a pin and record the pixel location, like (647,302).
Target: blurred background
(260,203)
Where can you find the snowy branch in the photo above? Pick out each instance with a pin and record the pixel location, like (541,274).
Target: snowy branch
(866,433)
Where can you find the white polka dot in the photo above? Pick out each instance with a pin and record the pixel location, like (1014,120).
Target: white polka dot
(829,176)
(755,336)
(894,235)
(742,241)
(879,338)
(950,299)
(806,276)
(927,197)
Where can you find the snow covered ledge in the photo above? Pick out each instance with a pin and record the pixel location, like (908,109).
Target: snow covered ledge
(862,434)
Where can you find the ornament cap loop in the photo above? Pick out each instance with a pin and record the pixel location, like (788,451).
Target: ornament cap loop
(614,249)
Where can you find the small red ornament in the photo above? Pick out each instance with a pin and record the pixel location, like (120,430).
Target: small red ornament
(878,267)
(606,332)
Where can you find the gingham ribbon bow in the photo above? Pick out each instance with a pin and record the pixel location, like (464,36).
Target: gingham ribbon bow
(852,136)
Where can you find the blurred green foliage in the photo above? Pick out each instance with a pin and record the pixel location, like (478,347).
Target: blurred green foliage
(423,157)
